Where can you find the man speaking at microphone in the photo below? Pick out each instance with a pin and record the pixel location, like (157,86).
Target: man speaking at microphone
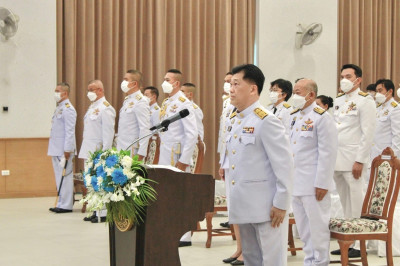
(178,142)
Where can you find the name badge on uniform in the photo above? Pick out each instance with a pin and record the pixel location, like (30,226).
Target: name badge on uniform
(249,130)
(293,122)
(308,125)
(352,107)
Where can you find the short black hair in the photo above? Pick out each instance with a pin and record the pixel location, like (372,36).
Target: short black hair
(371,87)
(251,73)
(357,69)
(229,73)
(153,90)
(285,86)
(387,83)
(188,84)
(326,100)
(174,70)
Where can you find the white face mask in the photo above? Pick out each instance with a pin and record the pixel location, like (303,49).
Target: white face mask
(146,99)
(92,96)
(398,92)
(124,86)
(57,96)
(274,96)
(380,98)
(227,87)
(346,85)
(167,87)
(298,101)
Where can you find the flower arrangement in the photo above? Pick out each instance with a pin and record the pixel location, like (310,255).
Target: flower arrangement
(118,181)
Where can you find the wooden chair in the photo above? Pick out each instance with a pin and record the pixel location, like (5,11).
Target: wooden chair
(197,157)
(292,248)
(377,211)
(219,205)
(153,150)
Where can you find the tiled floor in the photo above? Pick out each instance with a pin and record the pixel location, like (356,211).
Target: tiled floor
(30,235)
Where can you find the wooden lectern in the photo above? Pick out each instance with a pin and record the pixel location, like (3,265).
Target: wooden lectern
(182,201)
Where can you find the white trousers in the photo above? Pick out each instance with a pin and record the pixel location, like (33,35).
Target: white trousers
(312,220)
(263,245)
(66,198)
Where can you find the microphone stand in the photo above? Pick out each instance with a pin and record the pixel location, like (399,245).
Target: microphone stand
(162,129)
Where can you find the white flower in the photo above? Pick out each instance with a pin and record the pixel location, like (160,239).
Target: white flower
(89,164)
(88,180)
(126,162)
(99,181)
(128,173)
(108,170)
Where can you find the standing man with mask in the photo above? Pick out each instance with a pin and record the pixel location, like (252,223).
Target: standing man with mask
(152,94)
(98,131)
(260,171)
(387,132)
(188,89)
(62,147)
(354,111)
(134,116)
(280,93)
(179,141)
(313,138)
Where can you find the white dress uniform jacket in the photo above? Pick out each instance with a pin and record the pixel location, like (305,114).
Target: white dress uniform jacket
(179,141)
(198,113)
(283,111)
(62,135)
(354,113)
(261,165)
(313,139)
(98,131)
(134,122)
(387,132)
(154,114)
(226,110)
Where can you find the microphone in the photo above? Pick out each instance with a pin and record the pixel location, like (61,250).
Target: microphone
(165,123)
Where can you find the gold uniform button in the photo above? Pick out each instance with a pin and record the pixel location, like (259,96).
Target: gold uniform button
(233,151)
(297,129)
(233,182)
(241,115)
(235,136)
(233,166)
(239,122)
(294,142)
(301,117)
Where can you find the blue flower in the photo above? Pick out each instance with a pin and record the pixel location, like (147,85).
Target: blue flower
(111,161)
(100,171)
(119,177)
(94,183)
(109,188)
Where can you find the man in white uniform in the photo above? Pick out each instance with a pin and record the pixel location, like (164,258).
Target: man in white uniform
(188,89)
(179,141)
(260,171)
(62,147)
(226,110)
(280,93)
(98,131)
(134,116)
(353,113)
(387,132)
(152,94)
(313,139)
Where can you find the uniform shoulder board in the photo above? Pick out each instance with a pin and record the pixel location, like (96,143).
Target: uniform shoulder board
(319,110)
(364,94)
(195,106)
(68,105)
(164,100)
(340,95)
(286,105)
(138,97)
(233,115)
(378,104)
(156,107)
(394,104)
(225,97)
(106,103)
(295,111)
(126,97)
(182,99)
(260,113)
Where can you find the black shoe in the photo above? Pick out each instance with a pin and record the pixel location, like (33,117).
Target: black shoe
(354,253)
(229,260)
(52,209)
(237,262)
(337,252)
(185,243)
(88,219)
(96,220)
(60,210)
(225,224)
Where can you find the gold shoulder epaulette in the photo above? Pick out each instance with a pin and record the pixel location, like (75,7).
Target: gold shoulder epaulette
(67,105)
(225,97)
(364,94)
(295,111)
(233,115)
(340,95)
(164,100)
(195,106)
(394,104)
(106,103)
(156,107)
(319,110)
(138,97)
(378,104)
(260,113)
(182,99)
(286,105)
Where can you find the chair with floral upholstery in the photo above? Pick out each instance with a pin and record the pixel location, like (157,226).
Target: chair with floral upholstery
(197,157)
(376,218)
(153,150)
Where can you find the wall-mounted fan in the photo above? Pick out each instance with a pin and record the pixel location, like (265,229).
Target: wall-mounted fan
(8,23)
(308,34)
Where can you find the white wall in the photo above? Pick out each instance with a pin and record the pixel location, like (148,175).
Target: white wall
(277,56)
(28,70)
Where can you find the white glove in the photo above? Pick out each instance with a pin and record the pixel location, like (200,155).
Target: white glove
(62,161)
